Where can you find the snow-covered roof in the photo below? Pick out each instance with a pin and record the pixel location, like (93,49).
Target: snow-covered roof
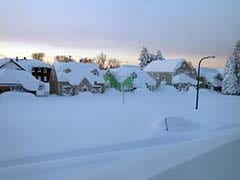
(183,78)
(123,72)
(28,64)
(74,72)
(11,76)
(169,65)
(4,61)
(210,74)
(8,63)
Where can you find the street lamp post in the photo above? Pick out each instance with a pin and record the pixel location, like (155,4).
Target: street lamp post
(123,90)
(198,77)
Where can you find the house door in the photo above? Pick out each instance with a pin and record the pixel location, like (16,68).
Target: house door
(84,88)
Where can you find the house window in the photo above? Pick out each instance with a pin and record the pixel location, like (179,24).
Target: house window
(95,72)
(163,78)
(45,78)
(39,70)
(67,90)
(67,70)
(41,87)
(45,70)
(85,88)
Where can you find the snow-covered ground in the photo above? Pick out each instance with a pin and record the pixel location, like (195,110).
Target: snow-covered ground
(98,137)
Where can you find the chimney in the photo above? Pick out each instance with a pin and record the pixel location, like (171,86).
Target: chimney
(16,58)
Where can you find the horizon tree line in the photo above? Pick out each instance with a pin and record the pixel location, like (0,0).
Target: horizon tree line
(102,60)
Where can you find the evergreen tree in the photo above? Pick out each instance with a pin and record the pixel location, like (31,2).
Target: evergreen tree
(236,57)
(152,57)
(144,58)
(231,81)
(230,85)
(159,56)
(236,52)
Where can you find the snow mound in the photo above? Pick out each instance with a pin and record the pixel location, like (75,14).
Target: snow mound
(175,124)
(14,94)
(183,78)
(167,89)
(192,90)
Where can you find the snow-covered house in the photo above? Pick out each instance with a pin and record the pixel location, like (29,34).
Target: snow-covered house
(13,77)
(141,78)
(183,81)
(165,70)
(211,78)
(72,77)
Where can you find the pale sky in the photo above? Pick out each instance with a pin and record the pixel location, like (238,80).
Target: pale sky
(186,29)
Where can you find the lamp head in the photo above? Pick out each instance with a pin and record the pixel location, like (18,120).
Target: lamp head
(208,57)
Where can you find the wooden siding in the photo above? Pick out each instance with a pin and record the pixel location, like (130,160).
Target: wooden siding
(53,82)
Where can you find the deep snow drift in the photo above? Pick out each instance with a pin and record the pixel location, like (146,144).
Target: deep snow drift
(36,132)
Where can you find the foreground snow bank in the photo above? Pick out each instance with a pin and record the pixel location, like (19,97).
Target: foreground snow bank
(141,164)
(11,96)
(221,163)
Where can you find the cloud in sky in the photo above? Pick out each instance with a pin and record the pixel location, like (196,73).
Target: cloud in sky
(176,27)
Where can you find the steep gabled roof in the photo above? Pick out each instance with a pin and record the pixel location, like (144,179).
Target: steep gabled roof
(169,65)
(5,61)
(74,72)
